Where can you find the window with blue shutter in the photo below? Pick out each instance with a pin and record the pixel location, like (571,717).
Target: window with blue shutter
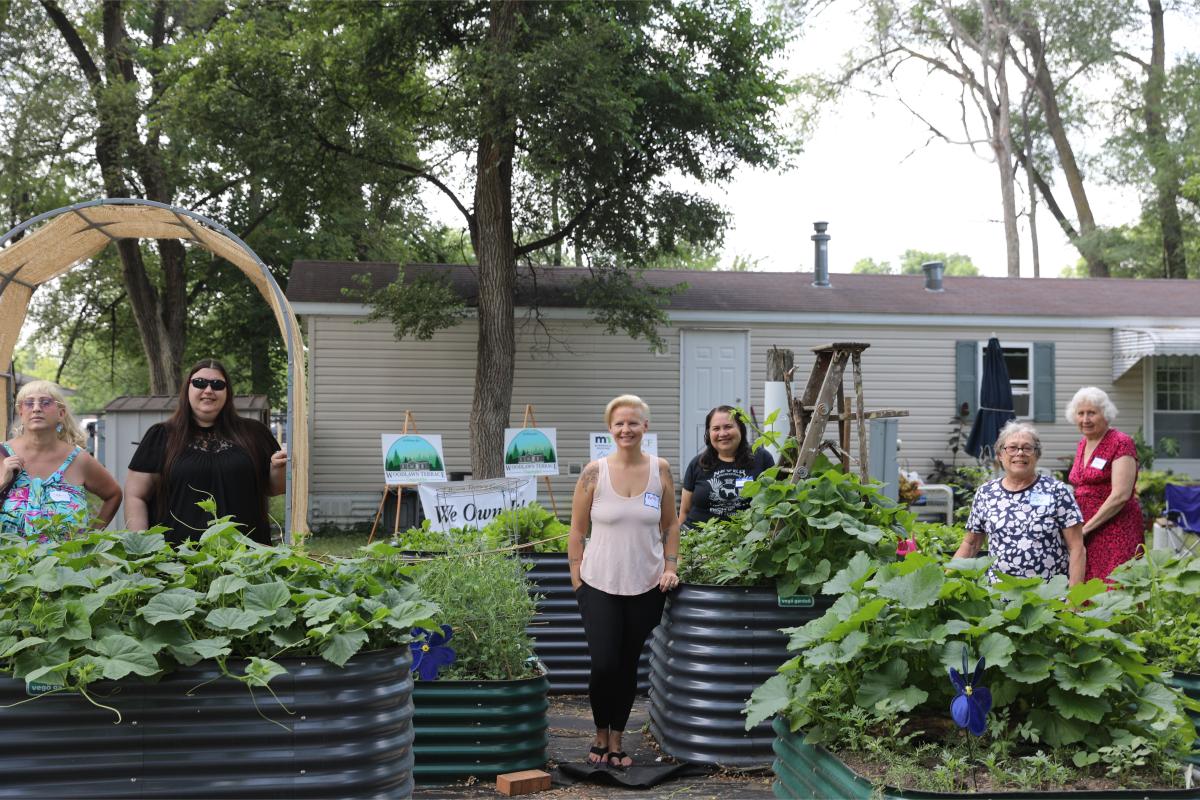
(1030,372)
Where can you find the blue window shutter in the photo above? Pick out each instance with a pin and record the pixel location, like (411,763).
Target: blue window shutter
(966,382)
(1043,381)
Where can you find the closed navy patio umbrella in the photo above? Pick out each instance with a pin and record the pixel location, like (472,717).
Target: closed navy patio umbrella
(995,402)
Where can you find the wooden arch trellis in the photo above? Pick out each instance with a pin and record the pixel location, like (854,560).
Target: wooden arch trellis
(75,233)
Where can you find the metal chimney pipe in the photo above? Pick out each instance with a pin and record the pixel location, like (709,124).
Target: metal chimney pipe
(933,275)
(821,255)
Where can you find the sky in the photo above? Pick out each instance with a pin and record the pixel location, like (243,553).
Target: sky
(869,172)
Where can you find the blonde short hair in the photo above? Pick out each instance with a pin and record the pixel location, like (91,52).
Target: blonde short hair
(626,401)
(70,428)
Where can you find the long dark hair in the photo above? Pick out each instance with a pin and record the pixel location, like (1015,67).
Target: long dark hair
(743,457)
(182,429)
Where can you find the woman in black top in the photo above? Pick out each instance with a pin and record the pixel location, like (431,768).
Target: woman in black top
(713,481)
(204,449)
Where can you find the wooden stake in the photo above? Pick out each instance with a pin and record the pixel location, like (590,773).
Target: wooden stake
(529,418)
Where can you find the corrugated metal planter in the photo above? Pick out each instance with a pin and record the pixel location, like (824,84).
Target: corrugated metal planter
(716,644)
(1190,684)
(480,728)
(195,734)
(810,771)
(557,630)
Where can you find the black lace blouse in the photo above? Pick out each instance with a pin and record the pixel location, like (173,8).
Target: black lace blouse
(210,465)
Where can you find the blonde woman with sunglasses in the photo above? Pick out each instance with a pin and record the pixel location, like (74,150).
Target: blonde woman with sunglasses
(46,474)
(205,450)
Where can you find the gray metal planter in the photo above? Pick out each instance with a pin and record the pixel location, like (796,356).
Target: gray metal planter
(479,728)
(557,630)
(716,644)
(195,734)
(1190,684)
(806,771)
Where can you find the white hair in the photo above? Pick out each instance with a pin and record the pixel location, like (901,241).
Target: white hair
(1015,427)
(1097,399)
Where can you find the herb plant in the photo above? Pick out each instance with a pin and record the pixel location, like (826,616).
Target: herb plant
(705,550)
(532,523)
(1064,676)
(485,599)
(113,604)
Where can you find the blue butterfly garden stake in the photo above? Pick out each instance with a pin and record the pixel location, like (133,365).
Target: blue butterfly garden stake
(970,707)
(430,653)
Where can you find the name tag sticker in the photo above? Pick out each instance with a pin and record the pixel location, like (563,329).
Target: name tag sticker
(1039,499)
(59,496)
(652,500)
(1098,462)
(740,483)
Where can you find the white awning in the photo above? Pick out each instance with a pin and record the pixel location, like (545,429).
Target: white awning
(1131,345)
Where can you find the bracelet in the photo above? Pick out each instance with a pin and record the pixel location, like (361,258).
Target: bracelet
(672,559)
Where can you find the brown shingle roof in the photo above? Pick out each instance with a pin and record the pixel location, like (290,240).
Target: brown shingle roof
(793,292)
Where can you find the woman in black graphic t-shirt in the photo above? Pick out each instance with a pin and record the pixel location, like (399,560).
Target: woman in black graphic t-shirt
(713,481)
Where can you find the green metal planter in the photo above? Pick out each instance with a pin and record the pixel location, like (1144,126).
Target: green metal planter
(1190,684)
(810,771)
(478,728)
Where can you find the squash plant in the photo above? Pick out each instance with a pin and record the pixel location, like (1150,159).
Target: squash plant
(1063,674)
(113,604)
(798,532)
(1164,612)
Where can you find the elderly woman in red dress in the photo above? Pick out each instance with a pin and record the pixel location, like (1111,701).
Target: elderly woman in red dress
(1104,474)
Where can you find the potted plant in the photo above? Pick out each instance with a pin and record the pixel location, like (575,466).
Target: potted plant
(1060,699)
(229,669)
(742,580)
(557,628)
(480,692)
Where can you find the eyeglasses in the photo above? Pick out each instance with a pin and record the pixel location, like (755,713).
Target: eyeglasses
(203,383)
(30,403)
(1023,449)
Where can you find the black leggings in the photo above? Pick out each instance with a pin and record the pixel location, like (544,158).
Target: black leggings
(616,627)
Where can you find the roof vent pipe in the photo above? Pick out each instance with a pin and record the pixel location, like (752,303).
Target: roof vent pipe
(933,276)
(821,255)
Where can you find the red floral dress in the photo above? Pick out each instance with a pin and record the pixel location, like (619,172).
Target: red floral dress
(1119,538)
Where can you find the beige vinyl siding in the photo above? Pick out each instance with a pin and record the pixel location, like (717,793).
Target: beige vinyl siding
(363,380)
(913,368)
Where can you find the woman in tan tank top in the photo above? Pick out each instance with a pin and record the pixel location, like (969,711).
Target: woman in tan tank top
(627,502)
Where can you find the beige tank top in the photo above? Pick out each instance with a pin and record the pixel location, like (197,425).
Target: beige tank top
(625,553)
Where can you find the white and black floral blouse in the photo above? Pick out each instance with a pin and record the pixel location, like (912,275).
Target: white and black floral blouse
(1024,529)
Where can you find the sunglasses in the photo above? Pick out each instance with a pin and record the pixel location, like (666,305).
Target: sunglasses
(42,403)
(203,383)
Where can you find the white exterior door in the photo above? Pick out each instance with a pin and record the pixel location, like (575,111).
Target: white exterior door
(716,371)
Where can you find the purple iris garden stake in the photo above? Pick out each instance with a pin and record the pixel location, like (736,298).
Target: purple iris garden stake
(970,707)
(430,653)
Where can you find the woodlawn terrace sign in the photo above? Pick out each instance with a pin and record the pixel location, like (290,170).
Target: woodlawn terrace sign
(530,451)
(412,458)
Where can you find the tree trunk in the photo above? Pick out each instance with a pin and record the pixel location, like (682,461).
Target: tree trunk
(1158,151)
(1086,243)
(995,41)
(161,318)
(494,247)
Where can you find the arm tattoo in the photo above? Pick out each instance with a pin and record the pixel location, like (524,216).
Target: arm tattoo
(591,473)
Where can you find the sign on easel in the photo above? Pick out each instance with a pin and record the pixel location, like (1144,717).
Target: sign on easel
(530,451)
(601,444)
(412,458)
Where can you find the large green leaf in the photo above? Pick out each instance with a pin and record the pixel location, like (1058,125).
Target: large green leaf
(767,700)
(1029,668)
(851,576)
(141,544)
(878,684)
(170,605)
(119,655)
(341,646)
(1077,706)
(916,590)
(226,584)
(1089,679)
(837,652)
(868,612)
(266,597)
(1057,730)
(224,619)
(260,671)
(996,650)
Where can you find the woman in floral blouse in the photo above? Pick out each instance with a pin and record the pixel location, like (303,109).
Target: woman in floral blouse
(1031,522)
